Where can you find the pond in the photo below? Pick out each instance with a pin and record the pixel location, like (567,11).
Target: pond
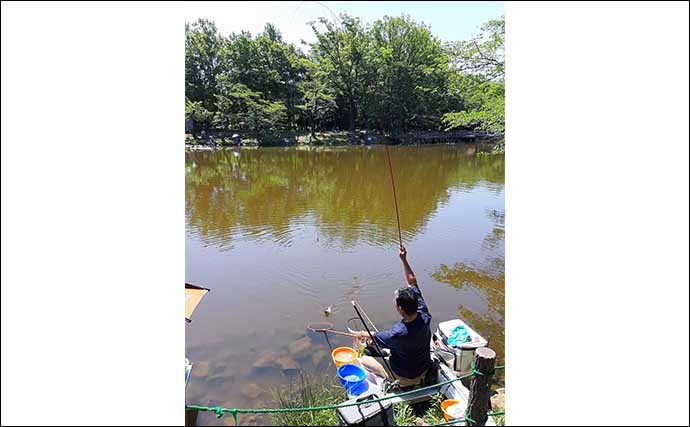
(278,234)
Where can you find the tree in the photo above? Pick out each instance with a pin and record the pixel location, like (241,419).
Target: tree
(242,59)
(486,110)
(282,68)
(196,112)
(242,108)
(484,54)
(268,65)
(479,82)
(394,73)
(340,51)
(319,102)
(203,46)
(411,73)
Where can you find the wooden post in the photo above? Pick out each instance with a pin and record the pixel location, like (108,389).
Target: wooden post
(190,417)
(479,403)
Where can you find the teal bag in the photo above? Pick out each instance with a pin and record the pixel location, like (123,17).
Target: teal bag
(458,335)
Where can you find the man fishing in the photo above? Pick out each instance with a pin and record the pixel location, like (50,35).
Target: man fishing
(408,339)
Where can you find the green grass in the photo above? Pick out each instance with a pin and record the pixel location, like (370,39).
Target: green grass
(404,415)
(434,415)
(309,391)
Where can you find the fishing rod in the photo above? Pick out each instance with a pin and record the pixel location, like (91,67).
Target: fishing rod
(385,362)
(395,197)
(390,166)
(367,317)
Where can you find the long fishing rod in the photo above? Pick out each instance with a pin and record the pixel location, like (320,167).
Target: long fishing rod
(364,313)
(383,357)
(390,168)
(395,197)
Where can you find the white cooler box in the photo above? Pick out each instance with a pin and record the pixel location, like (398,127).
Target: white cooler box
(461,355)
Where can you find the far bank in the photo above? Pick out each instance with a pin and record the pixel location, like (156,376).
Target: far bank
(343,138)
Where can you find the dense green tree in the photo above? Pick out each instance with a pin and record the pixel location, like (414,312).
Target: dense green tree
(484,108)
(244,109)
(203,46)
(479,82)
(411,74)
(318,98)
(341,53)
(196,112)
(282,68)
(394,74)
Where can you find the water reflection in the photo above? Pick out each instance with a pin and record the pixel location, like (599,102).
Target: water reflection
(487,282)
(488,321)
(268,194)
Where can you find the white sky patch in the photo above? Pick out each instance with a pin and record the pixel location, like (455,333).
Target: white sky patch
(450,21)
(289,17)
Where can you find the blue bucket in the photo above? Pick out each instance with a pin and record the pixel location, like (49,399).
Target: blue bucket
(353,378)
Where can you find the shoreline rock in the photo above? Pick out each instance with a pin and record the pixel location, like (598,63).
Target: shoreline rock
(287,363)
(300,348)
(265,360)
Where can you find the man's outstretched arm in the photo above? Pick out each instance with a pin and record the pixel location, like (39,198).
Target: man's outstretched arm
(409,274)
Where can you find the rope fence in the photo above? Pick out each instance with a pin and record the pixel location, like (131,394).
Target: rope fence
(461,419)
(220,411)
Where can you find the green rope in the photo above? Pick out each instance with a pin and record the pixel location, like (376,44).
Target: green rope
(453,421)
(474,371)
(467,418)
(234,411)
(462,419)
(218,410)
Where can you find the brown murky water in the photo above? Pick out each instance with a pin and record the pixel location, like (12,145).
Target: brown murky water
(280,233)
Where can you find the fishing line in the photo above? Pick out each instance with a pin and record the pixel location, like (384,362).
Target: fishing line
(395,198)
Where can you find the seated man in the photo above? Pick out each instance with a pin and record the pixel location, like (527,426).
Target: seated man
(408,339)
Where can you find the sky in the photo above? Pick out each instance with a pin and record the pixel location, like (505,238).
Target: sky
(450,21)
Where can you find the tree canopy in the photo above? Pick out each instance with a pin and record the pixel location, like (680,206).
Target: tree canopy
(393,73)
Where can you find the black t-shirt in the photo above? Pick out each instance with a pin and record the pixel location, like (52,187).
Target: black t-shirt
(409,342)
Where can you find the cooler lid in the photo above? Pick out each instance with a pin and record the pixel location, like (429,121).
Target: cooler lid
(446,328)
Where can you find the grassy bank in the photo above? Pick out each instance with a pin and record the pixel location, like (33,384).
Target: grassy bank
(311,391)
